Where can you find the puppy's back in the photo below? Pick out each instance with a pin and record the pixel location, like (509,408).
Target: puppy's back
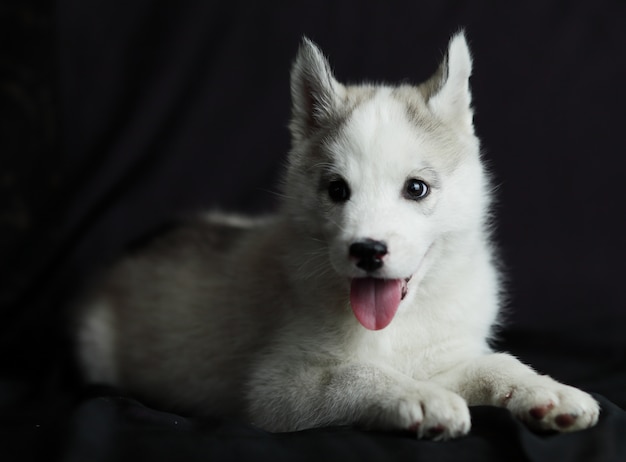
(160,316)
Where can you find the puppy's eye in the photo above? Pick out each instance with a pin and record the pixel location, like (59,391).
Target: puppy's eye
(415,189)
(338,190)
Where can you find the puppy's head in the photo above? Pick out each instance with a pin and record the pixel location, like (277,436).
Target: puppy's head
(381,176)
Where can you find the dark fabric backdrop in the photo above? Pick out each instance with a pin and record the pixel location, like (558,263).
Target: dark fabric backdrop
(130,113)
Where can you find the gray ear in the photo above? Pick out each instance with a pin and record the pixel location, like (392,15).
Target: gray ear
(315,93)
(447,92)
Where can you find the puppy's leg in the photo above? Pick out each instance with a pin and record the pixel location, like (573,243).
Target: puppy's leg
(501,380)
(283,398)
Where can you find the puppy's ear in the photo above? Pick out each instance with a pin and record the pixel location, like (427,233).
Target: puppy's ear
(315,93)
(447,92)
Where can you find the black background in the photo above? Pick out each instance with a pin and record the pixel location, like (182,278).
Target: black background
(118,116)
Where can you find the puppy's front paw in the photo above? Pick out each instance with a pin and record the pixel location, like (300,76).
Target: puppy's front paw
(546,404)
(432,413)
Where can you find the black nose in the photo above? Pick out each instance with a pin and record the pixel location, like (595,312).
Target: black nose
(368,254)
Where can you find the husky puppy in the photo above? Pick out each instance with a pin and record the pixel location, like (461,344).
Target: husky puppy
(368,299)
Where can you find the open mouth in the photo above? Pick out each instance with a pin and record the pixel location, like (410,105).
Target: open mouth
(405,287)
(375,301)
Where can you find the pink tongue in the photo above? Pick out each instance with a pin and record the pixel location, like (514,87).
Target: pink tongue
(375,301)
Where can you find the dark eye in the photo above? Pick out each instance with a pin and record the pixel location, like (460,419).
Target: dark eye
(338,190)
(415,189)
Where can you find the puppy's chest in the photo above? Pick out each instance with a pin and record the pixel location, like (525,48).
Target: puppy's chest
(416,353)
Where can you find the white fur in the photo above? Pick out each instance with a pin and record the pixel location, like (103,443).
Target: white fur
(252,319)
(97,341)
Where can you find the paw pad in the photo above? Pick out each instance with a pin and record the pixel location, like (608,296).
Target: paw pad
(415,427)
(565,420)
(435,431)
(539,412)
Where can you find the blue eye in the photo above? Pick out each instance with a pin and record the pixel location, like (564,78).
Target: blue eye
(415,189)
(338,190)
